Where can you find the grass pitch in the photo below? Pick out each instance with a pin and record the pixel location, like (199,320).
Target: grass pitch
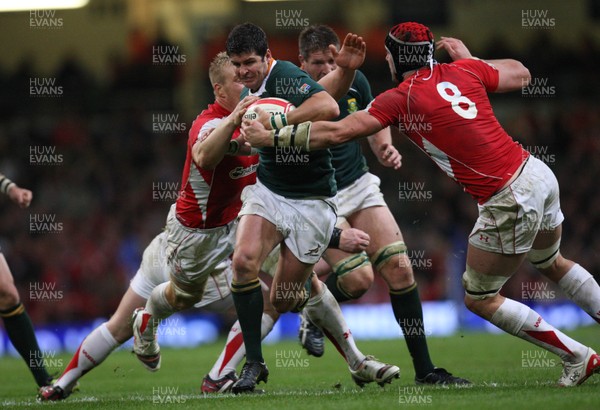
(507,374)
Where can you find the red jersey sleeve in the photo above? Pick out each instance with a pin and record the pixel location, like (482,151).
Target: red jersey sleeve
(486,72)
(386,107)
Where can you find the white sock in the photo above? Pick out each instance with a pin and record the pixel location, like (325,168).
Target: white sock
(158,308)
(235,350)
(324,311)
(579,285)
(93,350)
(521,321)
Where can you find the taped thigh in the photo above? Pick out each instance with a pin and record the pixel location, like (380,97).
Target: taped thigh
(543,258)
(480,286)
(384,254)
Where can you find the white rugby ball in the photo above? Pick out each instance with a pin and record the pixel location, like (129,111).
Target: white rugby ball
(272,105)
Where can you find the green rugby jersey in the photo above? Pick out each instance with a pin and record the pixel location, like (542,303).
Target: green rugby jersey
(289,171)
(348,159)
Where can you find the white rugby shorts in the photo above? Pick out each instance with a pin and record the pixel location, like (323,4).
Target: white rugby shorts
(361,194)
(153,271)
(306,224)
(192,254)
(510,220)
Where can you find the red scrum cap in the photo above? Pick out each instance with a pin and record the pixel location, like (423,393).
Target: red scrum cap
(411,46)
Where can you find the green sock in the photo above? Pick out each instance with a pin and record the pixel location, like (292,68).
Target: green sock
(409,315)
(248,300)
(334,287)
(21,334)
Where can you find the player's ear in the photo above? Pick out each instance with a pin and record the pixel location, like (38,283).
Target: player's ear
(218,90)
(301,59)
(268,54)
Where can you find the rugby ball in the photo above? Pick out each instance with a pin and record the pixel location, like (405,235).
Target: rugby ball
(272,105)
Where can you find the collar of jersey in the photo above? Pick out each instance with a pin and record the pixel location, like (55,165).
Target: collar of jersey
(262,87)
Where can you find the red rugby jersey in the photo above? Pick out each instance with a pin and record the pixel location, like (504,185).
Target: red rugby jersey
(211,198)
(449,116)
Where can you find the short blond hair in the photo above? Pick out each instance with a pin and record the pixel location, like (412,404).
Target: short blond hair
(215,70)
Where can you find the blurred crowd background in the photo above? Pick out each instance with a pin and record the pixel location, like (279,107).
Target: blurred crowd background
(115,146)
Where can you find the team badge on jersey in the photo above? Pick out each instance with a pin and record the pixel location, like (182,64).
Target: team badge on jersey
(352,105)
(304,88)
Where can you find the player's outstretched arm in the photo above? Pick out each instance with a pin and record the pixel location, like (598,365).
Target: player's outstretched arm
(311,136)
(213,144)
(513,75)
(350,57)
(384,150)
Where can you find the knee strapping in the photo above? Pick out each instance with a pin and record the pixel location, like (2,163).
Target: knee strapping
(188,296)
(543,258)
(384,254)
(349,264)
(480,286)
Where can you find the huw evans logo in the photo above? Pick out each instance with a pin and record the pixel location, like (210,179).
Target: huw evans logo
(166,191)
(45,291)
(167,395)
(45,359)
(413,191)
(44,155)
(167,123)
(44,223)
(290,19)
(167,55)
(537,359)
(538,291)
(290,359)
(286,291)
(537,19)
(538,87)
(291,87)
(409,123)
(44,87)
(44,19)
(291,156)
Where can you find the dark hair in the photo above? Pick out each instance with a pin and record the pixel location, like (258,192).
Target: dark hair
(316,38)
(247,38)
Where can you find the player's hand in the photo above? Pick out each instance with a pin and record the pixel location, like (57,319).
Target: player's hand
(263,117)
(20,196)
(240,109)
(455,48)
(352,54)
(389,156)
(354,240)
(255,133)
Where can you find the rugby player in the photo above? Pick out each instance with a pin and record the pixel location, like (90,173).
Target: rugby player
(292,205)
(17,323)
(517,194)
(361,205)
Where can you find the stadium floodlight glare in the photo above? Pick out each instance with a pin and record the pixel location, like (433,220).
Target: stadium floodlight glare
(27,5)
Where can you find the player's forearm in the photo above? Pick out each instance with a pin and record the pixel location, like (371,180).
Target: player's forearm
(338,82)
(513,75)
(6,184)
(319,107)
(380,138)
(209,152)
(307,135)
